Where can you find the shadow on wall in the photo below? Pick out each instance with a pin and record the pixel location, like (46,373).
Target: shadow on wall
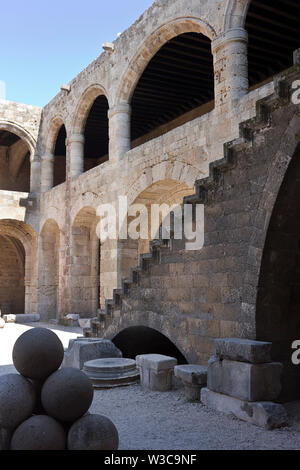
(144,340)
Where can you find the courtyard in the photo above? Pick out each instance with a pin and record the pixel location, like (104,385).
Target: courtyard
(166,421)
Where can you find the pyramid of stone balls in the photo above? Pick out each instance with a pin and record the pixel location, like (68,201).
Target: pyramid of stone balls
(45,407)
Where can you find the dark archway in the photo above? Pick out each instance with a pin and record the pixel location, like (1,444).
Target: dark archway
(12,273)
(273,28)
(14,163)
(278,301)
(96,134)
(59,175)
(137,340)
(179,79)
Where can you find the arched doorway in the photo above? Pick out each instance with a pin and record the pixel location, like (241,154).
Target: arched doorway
(85,267)
(49,248)
(14,162)
(176,86)
(137,340)
(273,30)
(59,170)
(278,300)
(96,134)
(12,274)
(167,194)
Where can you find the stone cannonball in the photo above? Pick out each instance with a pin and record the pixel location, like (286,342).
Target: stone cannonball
(37,353)
(39,432)
(93,432)
(17,400)
(67,394)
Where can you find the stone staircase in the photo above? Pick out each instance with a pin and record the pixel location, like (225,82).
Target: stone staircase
(204,189)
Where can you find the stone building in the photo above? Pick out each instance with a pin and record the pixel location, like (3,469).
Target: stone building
(196,102)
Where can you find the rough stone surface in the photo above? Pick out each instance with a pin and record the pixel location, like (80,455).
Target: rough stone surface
(244,350)
(39,432)
(82,350)
(252,382)
(264,414)
(27,318)
(156,371)
(93,432)
(17,400)
(194,377)
(67,394)
(112,372)
(37,353)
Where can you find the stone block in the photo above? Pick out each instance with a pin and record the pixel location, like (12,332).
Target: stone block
(27,317)
(194,377)
(252,382)
(9,318)
(264,414)
(156,371)
(243,350)
(81,350)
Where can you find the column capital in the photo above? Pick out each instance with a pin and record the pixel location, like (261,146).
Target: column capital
(118,109)
(232,35)
(47,157)
(75,138)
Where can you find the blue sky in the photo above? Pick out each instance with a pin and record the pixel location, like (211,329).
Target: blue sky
(45,43)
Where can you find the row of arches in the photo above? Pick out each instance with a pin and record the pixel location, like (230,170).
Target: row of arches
(176,84)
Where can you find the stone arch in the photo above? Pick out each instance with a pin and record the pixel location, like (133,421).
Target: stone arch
(84,105)
(235,14)
(278,169)
(52,132)
(49,270)
(25,236)
(85,264)
(21,132)
(152,44)
(171,328)
(181,172)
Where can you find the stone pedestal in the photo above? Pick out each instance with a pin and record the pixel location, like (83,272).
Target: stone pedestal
(242,380)
(111,372)
(156,371)
(81,350)
(194,378)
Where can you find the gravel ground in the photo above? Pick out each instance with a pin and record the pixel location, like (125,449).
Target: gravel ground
(166,421)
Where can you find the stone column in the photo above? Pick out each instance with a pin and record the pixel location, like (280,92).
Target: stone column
(230,53)
(119,130)
(76,143)
(47,167)
(35,175)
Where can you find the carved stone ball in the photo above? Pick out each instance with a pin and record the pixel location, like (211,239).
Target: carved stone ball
(37,353)
(39,432)
(17,400)
(67,394)
(93,432)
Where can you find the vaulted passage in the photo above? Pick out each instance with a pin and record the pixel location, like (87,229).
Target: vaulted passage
(278,303)
(96,134)
(60,157)
(273,28)
(12,272)
(178,79)
(14,163)
(144,340)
